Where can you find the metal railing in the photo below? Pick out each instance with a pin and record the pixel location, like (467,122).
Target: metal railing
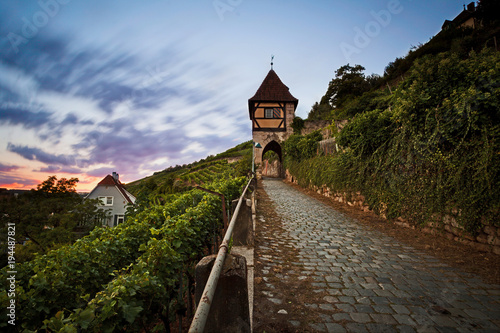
(201,315)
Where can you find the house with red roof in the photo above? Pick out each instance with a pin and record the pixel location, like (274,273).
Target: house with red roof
(113,197)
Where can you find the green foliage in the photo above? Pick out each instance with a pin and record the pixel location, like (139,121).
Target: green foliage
(459,41)
(148,290)
(176,179)
(207,172)
(434,152)
(298,147)
(244,166)
(270,156)
(321,110)
(62,186)
(297,125)
(138,263)
(49,216)
(239,150)
(367,132)
(370,100)
(349,82)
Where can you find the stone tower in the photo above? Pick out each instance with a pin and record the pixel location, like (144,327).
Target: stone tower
(271,110)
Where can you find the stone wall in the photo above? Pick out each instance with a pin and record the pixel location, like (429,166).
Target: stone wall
(313,125)
(323,125)
(487,240)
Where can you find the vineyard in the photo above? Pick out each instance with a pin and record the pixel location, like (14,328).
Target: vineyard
(207,172)
(172,180)
(138,276)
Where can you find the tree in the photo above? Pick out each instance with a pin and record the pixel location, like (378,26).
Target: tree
(488,11)
(298,124)
(62,186)
(321,110)
(349,82)
(49,216)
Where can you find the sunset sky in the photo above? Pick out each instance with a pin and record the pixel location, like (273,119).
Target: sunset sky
(91,87)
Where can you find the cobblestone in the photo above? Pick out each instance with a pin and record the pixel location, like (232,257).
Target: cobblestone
(368,281)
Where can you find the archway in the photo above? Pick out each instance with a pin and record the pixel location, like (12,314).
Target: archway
(272,164)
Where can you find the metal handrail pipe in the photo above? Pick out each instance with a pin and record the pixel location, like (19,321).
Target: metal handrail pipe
(201,315)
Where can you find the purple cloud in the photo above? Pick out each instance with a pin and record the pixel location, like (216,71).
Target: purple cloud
(28,119)
(9,179)
(8,168)
(36,154)
(56,169)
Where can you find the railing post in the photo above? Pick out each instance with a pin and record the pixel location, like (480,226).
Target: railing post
(207,297)
(229,308)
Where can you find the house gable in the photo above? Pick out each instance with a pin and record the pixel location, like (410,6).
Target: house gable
(112,187)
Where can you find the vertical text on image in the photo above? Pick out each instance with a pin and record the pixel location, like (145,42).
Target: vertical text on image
(11,278)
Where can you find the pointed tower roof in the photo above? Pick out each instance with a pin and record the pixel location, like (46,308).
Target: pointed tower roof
(272,89)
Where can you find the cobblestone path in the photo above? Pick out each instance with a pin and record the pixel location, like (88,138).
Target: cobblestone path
(318,270)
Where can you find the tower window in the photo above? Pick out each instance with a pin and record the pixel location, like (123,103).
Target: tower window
(272,113)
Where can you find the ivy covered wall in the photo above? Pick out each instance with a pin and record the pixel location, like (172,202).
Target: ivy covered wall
(432,153)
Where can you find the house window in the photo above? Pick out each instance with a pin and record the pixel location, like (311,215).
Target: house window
(272,113)
(118,219)
(106,201)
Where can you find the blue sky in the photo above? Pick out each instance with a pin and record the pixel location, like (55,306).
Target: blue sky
(91,87)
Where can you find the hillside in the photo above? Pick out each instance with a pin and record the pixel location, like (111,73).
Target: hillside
(420,144)
(181,177)
(351,91)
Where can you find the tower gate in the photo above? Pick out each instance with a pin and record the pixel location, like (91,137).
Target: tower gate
(271,110)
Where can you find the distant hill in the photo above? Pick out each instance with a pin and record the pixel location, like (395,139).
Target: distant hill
(177,178)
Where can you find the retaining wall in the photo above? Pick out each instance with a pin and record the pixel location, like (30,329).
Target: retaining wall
(487,239)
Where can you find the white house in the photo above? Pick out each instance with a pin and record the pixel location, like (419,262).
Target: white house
(113,197)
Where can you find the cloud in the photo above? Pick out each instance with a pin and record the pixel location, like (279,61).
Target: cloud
(115,109)
(17,81)
(7,168)
(57,169)
(11,181)
(36,154)
(28,119)
(49,169)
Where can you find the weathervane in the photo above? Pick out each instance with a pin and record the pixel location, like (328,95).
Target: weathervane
(272,57)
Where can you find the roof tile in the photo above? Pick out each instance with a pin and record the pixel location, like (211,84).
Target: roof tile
(273,89)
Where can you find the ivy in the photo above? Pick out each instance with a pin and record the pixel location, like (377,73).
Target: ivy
(435,151)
